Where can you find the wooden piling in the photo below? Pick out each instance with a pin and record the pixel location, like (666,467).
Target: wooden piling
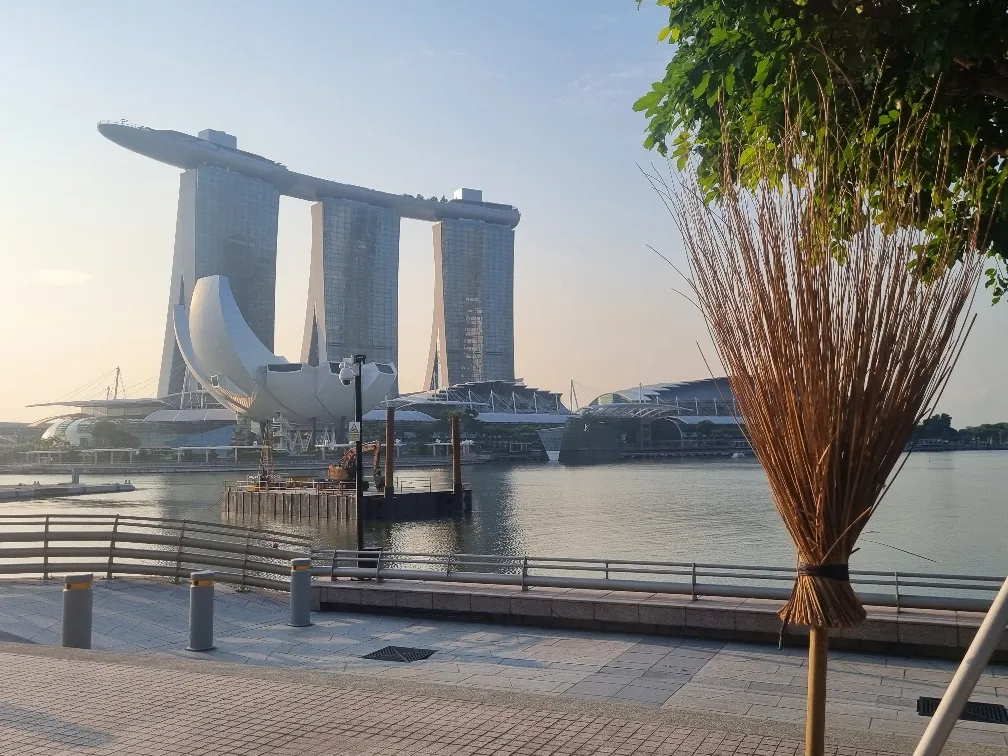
(456,441)
(389,452)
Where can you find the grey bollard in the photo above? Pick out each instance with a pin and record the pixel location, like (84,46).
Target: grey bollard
(300,592)
(77,603)
(201,602)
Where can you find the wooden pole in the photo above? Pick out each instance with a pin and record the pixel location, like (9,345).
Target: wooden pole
(456,441)
(815,714)
(389,450)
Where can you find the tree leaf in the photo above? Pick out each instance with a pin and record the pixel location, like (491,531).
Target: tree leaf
(702,86)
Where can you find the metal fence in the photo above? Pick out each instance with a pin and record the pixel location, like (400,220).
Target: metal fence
(47,544)
(902,590)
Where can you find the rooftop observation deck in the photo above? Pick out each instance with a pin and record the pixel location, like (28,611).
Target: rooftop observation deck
(187,151)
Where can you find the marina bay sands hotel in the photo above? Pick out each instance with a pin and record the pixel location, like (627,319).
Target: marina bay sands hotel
(228,209)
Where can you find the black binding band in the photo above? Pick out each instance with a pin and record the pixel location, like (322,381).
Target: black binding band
(829,571)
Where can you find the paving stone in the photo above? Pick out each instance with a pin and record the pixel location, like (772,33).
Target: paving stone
(531,606)
(662,613)
(490,603)
(573,608)
(451,601)
(617,611)
(640,694)
(415,599)
(915,627)
(597,688)
(379,598)
(337,594)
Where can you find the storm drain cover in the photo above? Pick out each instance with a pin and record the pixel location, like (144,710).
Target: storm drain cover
(399,654)
(973,711)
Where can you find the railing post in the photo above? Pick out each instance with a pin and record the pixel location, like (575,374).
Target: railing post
(377,569)
(524,573)
(248,539)
(447,572)
(111,548)
(896,576)
(332,570)
(693,581)
(178,556)
(607,569)
(45,550)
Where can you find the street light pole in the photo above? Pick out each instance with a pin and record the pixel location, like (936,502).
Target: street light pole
(358,360)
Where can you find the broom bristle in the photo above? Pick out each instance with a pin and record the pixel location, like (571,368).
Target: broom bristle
(834,350)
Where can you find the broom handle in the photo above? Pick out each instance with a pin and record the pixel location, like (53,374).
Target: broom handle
(815,713)
(966,677)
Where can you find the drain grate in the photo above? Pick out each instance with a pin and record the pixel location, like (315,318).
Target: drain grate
(399,654)
(974,711)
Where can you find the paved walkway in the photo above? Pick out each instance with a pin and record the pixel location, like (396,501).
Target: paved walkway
(699,689)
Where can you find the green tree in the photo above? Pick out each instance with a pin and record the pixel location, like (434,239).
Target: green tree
(879,62)
(936,426)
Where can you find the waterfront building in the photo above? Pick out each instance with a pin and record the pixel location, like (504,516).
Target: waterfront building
(227,223)
(689,418)
(472,336)
(493,402)
(238,370)
(143,423)
(353,289)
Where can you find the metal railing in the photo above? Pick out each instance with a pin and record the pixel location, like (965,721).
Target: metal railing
(902,590)
(109,545)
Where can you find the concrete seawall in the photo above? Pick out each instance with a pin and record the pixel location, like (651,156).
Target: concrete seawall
(54,490)
(922,632)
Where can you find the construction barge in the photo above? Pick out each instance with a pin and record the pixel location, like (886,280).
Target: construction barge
(303,500)
(290,498)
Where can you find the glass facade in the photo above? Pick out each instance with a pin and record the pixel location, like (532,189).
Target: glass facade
(353,299)
(473,333)
(226,225)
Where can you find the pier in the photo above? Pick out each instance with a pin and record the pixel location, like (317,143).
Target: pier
(54,490)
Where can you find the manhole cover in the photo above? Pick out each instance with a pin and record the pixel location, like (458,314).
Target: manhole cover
(399,654)
(974,711)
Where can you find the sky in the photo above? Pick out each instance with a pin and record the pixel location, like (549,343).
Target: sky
(529,101)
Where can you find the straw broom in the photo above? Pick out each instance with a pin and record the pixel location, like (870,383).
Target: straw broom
(834,350)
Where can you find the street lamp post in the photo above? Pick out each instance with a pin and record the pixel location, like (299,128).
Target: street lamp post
(350,372)
(358,360)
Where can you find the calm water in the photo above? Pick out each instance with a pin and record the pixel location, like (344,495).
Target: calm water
(947,507)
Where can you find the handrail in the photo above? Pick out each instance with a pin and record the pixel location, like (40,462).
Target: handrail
(139,521)
(133,545)
(948,591)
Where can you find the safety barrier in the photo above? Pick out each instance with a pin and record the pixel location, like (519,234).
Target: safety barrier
(109,545)
(902,590)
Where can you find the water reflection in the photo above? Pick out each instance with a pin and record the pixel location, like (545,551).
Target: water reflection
(947,507)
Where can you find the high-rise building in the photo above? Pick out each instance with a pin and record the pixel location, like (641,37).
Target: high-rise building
(226,225)
(472,338)
(353,289)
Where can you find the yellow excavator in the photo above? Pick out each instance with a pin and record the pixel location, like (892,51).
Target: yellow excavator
(346,469)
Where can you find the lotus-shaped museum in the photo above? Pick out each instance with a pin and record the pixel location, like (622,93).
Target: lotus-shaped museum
(224,355)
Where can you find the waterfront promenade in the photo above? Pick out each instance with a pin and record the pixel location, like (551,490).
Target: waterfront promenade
(487,688)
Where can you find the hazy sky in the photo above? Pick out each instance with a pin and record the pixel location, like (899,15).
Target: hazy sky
(528,100)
